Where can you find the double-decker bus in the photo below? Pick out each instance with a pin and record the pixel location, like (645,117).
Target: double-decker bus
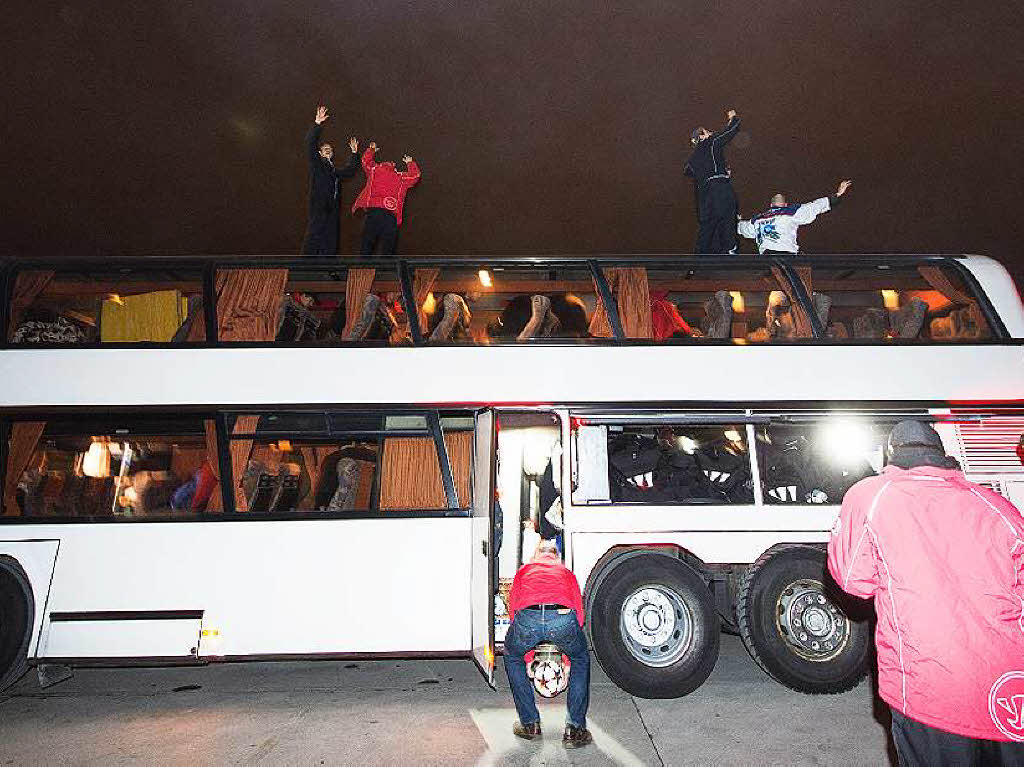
(220,459)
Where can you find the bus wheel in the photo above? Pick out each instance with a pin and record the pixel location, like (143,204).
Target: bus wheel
(792,623)
(654,627)
(15,625)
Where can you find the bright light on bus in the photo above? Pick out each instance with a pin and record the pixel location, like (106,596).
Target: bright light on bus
(96,461)
(891,299)
(485,278)
(738,304)
(687,444)
(846,441)
(733,435)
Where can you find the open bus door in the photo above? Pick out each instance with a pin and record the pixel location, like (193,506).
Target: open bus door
(482,569)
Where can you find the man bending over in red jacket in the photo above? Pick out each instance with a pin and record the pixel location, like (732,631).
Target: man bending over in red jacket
(547,606)
(383,198)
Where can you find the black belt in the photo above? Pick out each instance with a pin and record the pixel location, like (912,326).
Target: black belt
(547,606)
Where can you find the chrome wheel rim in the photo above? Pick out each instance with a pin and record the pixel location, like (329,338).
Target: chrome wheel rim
(656,625)
(810,623)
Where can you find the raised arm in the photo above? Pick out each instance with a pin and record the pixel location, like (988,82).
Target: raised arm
(313,135)
(368,162)
(809,211)
(728,133)
(353,161)
(411,175)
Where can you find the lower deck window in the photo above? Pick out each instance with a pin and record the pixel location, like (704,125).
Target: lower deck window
(679,464)
(128,469)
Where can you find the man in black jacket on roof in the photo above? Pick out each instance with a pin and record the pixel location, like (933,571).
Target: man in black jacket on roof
(716,200)
(324,189)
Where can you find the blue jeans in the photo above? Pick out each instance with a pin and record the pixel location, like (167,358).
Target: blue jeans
(531,627)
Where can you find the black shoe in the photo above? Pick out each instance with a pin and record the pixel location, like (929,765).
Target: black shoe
(576,737)
(526,731)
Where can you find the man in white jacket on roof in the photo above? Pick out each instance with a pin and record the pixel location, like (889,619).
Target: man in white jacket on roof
(775,229)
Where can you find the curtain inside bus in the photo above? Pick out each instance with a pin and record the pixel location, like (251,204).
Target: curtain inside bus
(411,477)
(357,288)
(633,296)
(26,288)
(248,305)
(24,438)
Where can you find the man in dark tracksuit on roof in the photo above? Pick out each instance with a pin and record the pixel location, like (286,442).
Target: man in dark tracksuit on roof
(716,200)
(324,189)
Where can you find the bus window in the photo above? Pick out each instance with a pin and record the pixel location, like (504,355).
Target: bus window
(488,302)
(105,305)
(340,462)
(817,462)
(132,468)
(308,305)
(680,464)
(928,301)
(707,301)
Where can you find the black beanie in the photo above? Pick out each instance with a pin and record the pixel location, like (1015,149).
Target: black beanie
(913,443)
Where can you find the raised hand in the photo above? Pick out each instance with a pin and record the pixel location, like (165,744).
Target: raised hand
(321,114)
(353,144)
(843,186)
(730,114)
(406,159)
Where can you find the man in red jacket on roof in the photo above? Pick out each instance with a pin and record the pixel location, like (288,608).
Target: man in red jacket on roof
(383,198)
(546,606)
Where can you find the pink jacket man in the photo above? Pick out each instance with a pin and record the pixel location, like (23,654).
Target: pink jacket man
(944,561)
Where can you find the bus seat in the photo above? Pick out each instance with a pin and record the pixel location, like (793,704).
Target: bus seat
(872,324)
(455,319)
(717,322)
(908,320)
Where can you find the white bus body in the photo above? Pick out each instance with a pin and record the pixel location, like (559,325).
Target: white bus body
(249,587)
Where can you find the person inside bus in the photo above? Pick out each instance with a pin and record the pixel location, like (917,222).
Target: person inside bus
(559,315)
(546,606)
(324,189)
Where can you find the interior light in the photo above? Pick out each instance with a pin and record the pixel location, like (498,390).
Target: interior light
(733,435)
(284,445)
(429,304)
(96,461)
(485,278)
(738,304)
(891,299)
(115,298)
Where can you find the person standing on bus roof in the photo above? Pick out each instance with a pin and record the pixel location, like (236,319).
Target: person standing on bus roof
(943,559)
(546,606)
(716,199)
(324,189)
(383,198)
(775,229)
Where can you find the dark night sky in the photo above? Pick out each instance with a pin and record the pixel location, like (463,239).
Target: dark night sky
(147,127)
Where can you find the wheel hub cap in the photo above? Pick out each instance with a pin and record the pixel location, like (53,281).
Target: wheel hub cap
(656,625)
(813,627)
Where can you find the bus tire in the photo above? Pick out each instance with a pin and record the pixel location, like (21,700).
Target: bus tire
(654,627)
(794,625)
(16,611)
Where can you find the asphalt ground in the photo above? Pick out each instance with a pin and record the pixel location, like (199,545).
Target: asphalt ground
(413,712)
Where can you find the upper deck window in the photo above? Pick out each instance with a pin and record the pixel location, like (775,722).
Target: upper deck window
(489,302)
(109,305)
(720,300)
(312,305)
(927,302)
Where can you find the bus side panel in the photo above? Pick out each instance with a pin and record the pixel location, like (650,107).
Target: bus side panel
(269,587)
(36,558)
